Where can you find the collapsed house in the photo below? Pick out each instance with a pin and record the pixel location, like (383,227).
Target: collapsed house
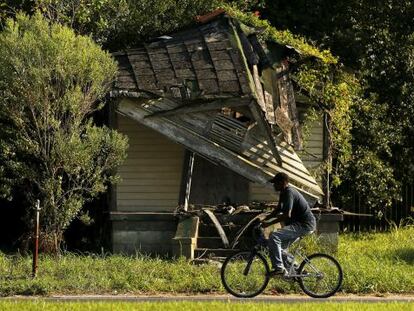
(211,114)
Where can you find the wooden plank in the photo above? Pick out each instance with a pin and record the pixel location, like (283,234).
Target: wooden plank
(148,182)
(209,86)
(258,116)
(202,64)
(158,65)
(148,71)
(148,195)
(141,65)
(206,73)
(293,112)
(220,55)
(126,85)
(198,107)
(219,228)
(183,65)
(202,145)
(176,48)
(223,64)
(222,45)
(230,87)
(185,73)
(160,57)
(127,79)
(227,75)
(200,55)
(259,89)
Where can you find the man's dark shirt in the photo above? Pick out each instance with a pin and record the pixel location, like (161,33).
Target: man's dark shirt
(291,199)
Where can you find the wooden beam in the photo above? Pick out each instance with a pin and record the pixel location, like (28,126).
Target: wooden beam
(218,226)
(259,117)
(195,141)
(199,107)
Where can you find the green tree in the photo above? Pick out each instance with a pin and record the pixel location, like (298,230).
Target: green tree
(51,80)
(118,24)
(375,40)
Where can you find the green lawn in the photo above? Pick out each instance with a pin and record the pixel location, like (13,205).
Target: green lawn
(204,306)
(372,263)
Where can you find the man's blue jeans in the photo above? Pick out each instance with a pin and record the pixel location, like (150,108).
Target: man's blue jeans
(281,239)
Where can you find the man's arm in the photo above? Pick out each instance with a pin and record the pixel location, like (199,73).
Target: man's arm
(286,206)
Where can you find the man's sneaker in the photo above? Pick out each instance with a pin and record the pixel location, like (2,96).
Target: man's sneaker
(278,272)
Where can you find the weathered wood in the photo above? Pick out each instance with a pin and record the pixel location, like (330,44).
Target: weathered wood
(214,184)
(220,55)
(218,226)
(198,107)
(230,87)
(223,64)
(227,75)
(258,116)
(202,64)
(293,112)
(176,48)
(144,64)
(259,88)
(183,65)
(223,45)
(209,86)
(126,85)
(143,71)
(157,65)
(284,103)
(195,141)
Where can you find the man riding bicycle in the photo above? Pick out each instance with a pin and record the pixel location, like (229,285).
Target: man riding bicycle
(299,221)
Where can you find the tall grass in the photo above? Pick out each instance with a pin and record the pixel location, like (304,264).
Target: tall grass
(378,263)
(372,263)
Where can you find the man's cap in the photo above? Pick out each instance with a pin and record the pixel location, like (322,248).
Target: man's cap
(279,177)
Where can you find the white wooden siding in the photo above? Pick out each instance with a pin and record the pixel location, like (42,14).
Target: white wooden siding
(151,174)
(312,159)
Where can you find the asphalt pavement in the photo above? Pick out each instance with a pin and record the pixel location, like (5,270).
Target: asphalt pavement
(221,298)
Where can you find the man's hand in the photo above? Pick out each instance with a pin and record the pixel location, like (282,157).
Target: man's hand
(274,217)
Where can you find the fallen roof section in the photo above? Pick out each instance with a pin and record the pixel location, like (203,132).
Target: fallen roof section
(212,89)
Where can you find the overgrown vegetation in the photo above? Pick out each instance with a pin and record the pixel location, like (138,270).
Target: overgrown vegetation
(372,263)
(375,41)
(51,81)
(323,79)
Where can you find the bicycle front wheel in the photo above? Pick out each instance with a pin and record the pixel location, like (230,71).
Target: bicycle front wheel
(245,274)
(320,276)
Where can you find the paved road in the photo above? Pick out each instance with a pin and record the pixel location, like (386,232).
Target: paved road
(223,298)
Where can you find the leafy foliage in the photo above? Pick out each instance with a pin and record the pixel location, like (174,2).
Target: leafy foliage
(119,24)
(375,39)
(325,81)
(50,82)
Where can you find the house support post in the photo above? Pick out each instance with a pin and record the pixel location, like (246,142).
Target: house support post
(327,157)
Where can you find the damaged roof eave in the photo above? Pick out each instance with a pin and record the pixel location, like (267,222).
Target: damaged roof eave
(239,163)
(164,85)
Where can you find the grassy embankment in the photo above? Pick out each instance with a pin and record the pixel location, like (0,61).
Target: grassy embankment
(372,264)
(205,306)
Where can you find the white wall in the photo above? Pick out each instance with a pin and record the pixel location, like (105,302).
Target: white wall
(151,174)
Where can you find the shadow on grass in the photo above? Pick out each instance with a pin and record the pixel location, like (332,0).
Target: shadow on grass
(405,254)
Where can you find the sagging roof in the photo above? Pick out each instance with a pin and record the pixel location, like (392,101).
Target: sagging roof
(221,93)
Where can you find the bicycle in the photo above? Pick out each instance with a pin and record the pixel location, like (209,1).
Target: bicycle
(245,274)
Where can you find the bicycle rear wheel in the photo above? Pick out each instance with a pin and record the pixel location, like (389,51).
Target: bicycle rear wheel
(245,274)
(320,276)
